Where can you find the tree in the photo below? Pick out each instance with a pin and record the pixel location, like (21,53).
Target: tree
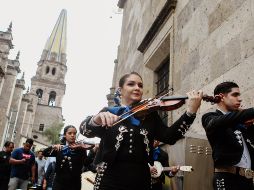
(53,132)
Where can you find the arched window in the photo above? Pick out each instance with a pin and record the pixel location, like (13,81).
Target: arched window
(47,69)
(52,98)
(39,93)
(54,71)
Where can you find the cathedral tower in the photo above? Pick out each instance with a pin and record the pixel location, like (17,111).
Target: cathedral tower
(48,86)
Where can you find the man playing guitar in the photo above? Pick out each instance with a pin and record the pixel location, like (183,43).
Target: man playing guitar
(162,157)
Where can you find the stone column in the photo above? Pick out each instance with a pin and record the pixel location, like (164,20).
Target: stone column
(110,97)
(3,69)
(30,118)
(2,73)
(15,107)
(5,100)
(21,118)
(5,46)
(34,108)
(27,121)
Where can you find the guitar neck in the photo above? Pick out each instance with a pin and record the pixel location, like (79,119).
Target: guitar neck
(165,169)
(181,168)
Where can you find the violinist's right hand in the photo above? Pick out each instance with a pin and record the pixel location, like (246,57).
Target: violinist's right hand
(105,119)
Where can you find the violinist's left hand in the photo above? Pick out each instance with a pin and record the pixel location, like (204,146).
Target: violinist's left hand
(57,147)
(194,101)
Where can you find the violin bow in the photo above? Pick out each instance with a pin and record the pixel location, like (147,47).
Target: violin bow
(119,121)
(143,103)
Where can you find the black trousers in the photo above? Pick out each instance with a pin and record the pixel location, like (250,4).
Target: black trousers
(4,184)
(157,186)
(67,185)
(228,181)
(126,176)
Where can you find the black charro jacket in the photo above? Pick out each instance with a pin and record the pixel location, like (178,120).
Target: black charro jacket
(151,126)
(223,134)
(65,174)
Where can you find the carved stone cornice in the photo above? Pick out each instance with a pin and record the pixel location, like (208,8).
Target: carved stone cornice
(6,37)
(30,108)
(53,107)
(13,65)
(159,21)
(25,100)
(46,80)
(20,84)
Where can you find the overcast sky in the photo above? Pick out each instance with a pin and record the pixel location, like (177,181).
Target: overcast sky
(93,34)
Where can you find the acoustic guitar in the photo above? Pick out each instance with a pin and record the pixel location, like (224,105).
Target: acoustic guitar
(161,169)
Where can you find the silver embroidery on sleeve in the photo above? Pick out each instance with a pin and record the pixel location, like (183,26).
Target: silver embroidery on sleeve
(85,130)
(252,145)
(144,132)
(220,184)
(183,128)
(238,136)
(100,172)
(122,129)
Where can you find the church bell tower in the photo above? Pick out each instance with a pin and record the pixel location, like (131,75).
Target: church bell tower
(48,84)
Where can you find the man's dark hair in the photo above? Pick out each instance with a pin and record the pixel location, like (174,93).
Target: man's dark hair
(224,87)
(30,141)
(8,143)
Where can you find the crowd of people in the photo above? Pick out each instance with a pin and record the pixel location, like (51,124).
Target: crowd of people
(56,167)
(129,145)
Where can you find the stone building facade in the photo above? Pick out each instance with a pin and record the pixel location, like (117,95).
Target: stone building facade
(11,88)
(184,45)
(27,115)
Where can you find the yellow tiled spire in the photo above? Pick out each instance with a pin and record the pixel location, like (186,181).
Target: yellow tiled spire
(57,41)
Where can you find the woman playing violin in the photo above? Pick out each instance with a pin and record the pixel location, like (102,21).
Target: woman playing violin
(126,148)
(69,160)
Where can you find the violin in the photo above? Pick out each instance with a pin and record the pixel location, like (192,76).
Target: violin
(84,142)
(169,103)
(68,148)
(163,103)
(87,145)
